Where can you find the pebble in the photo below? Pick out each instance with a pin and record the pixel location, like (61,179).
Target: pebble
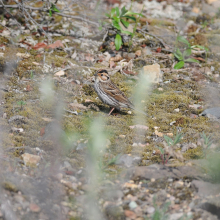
(30,159)
(178,185)
(177,110)
(153,72)
(34,207)
(146,51)
(175,216)
(132,205)
(211,112)
(150,210)
(130,214)
(131,55)
(138,53)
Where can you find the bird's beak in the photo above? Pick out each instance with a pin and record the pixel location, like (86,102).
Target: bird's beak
(96,73)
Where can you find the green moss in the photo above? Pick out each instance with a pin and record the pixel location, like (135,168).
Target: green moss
(10,187)
(193,153)
(160,22)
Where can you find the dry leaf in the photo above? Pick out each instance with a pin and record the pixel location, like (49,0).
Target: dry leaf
(39,45)
(116,58)
(37,64)
(56,44)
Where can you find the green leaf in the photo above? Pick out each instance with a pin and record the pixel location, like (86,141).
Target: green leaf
(179,65)
(112,12)
(132,13)
(116,25)
(183,40)
(116,19)
(118,41)
(201,47)
(178,54)
(117,12)
(54,8)
(108,15)
(168,140)
(187,53)
(125,23)
(161,150)
(50,13)
(123,11)
(191,60)
(130,17)
(177,138)
(126,32)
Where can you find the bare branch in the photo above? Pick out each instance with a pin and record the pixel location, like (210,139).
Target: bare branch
(18,6)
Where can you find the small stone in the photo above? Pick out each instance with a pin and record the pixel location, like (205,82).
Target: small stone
(160,89)
(177,110)
(138,53)
(122,136)
(128,160)
(66,183)
(133,205)
(178,185)
(34,207)
(30,159)
(195,106)
(59,176)
(146,51)
(154,73)
(212,112)
(67,165)
(150,210)
(177,201)
(131,55)
(175,216)
(60,73)
(114,211)
(130,214)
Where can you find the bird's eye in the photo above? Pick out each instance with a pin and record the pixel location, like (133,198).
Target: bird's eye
(101,74)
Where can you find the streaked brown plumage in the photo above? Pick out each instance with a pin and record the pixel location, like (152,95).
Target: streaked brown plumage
(109,93)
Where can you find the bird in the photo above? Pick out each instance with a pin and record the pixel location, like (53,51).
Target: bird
(109,93)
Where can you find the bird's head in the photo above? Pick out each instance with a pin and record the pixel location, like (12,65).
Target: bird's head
(102,76)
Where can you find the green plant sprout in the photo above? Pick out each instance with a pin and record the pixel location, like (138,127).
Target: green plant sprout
(52,9)
(120,19)
(183,57)
(171,143)
(32,74)
(207,142)
(110,162)
(21,103)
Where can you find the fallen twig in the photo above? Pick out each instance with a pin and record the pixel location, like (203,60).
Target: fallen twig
(17,6)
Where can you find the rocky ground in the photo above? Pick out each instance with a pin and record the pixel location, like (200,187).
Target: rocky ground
(62,157)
